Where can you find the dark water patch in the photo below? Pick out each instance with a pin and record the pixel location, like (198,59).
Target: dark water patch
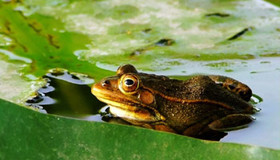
(164,42)
(239,34)
(65,94)
(147,30)
(137,52)
(223,15)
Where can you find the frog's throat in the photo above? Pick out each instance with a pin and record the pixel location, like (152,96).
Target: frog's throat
(132,112)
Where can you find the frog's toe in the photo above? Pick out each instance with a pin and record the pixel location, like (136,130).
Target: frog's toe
(231,122)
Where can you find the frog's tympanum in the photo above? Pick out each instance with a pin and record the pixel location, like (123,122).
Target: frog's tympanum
(202,107)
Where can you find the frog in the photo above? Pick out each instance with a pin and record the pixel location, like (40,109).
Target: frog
(204,106)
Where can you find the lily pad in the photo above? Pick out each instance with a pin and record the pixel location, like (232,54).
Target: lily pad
(27,134)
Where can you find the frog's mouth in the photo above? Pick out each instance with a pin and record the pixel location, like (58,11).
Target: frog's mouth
(124,107)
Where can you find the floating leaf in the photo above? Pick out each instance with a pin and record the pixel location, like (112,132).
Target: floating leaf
(26,134)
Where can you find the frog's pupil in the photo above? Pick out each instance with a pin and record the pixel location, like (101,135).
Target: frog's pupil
(129,82)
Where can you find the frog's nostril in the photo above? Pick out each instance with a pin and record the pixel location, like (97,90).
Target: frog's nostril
(105,83)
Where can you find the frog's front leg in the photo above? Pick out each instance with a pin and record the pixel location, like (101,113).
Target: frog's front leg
(233,85)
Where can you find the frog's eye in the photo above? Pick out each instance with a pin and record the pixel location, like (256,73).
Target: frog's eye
(129,84)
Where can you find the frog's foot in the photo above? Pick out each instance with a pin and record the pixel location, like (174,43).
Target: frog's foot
(231,122)
(236,87)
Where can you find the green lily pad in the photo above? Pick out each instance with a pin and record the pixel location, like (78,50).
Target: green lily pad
(27,134)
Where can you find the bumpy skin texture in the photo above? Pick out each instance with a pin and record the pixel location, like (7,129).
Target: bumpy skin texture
(185,107)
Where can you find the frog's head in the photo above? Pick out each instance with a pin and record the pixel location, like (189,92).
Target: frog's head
(127,95)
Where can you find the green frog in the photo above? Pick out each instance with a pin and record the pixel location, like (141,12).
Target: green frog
(204,106)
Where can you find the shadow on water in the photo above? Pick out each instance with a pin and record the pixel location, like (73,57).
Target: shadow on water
(66,95)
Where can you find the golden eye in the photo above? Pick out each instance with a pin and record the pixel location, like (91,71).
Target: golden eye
(128,84)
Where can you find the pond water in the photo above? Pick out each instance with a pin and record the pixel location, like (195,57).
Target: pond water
(67,95)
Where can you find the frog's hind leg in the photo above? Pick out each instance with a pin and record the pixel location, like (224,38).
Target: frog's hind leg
(201,130)
(233,85)
(231,122)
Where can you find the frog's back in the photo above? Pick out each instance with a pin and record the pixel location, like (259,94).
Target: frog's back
(199,89)
(203,88)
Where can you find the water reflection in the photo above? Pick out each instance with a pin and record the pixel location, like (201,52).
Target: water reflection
(65,94)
